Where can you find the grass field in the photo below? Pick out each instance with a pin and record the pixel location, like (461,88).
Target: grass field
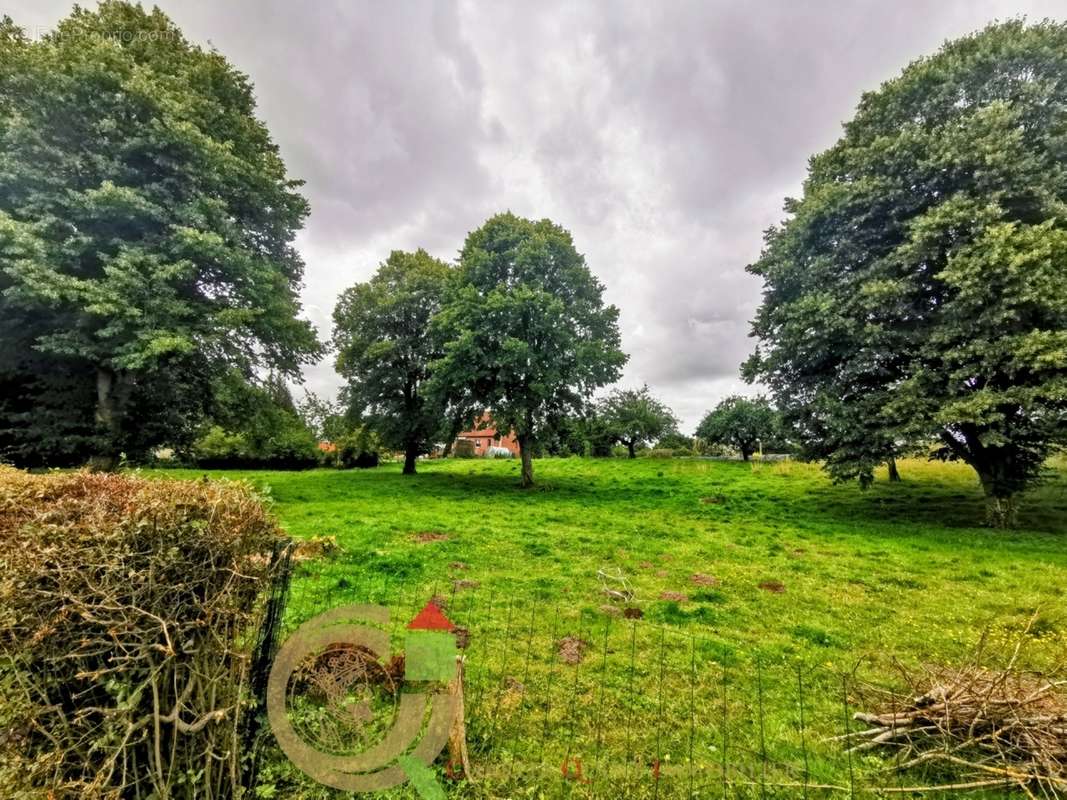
(803,589)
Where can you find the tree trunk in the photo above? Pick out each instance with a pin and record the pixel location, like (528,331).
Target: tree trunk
(526,451)
(631,448)
(894,475)
(997,470)
(106,458)
(453,432)
(745,453)
(410,455)
(1001,508)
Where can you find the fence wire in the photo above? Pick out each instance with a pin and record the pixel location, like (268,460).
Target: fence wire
(593,704)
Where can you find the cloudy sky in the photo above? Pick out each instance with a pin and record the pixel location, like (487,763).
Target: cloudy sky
(663,135)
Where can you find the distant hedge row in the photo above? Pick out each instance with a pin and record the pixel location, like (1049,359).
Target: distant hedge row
(129,611)
(295,448)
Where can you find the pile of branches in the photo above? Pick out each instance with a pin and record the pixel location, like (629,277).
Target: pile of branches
(129,612)
(985,727)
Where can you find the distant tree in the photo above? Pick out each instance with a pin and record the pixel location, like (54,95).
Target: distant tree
(146,228)
(279,393)
(634,417)
(328,419)
(529,336)
(917,292)
(385,347)
(581,433)
(461,409)
(673,440)
(741,423)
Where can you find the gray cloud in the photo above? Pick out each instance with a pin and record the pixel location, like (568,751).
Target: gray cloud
(664,135)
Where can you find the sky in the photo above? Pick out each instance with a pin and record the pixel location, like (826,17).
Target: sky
(664,136)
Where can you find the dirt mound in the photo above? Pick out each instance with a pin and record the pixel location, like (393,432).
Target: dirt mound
(700,579)
(425,537)
(572,649)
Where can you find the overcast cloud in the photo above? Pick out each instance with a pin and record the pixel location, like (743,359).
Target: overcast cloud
(663,135)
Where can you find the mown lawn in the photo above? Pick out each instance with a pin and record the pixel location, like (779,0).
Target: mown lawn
(805,591)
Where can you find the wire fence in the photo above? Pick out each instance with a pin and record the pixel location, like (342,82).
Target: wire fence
(584,704)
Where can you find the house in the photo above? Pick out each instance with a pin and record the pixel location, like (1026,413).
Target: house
(485,437)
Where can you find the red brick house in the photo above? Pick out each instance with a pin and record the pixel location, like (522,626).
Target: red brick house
(485,435)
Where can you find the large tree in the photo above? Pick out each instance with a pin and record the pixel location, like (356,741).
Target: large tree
(740,422)
(146,228)
(385,348)
(635,417)
(917,292)
(528,334)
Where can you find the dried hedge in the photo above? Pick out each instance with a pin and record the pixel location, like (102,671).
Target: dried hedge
(129,614)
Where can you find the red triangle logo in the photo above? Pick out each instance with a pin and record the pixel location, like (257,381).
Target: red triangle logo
(431,619)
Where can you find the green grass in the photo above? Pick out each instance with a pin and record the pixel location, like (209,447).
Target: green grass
(900,571)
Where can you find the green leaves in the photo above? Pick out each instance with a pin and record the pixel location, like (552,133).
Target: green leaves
(527,333)
(145,216)
(634,416)
(386,346)
(917,293)
(520,329)
(741,423)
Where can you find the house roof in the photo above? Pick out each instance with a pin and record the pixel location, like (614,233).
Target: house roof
(480,433)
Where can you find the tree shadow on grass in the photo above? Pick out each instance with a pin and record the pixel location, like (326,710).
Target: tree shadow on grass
(935,504)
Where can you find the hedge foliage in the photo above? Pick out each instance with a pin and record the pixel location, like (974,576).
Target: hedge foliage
(129,609)
(293,447)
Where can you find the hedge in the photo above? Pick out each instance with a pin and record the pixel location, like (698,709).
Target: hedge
(129,616)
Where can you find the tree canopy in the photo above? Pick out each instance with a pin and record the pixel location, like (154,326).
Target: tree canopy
(634,417)
(740,422)
(916,294)
(527,332)
(385,348)
(146,229)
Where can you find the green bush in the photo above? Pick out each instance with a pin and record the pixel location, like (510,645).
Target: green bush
(660,452)
(359,448)
(219,445)
(128,614)
(290,445)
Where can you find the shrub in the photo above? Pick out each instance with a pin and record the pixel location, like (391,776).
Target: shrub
(359,448)
(661,452)
(712,449)
(218,445)
(287,447)
(128,614)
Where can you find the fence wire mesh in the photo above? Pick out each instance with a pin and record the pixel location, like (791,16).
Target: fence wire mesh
(571,701)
